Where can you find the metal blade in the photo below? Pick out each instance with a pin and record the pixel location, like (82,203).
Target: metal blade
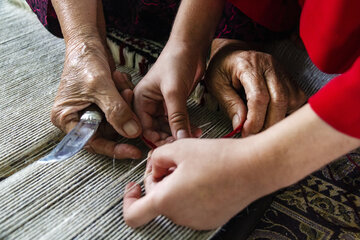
(75,140)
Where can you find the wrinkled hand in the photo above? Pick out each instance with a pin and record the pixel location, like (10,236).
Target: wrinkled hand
(196,183)
(270,94)
(87,79)
(160,97)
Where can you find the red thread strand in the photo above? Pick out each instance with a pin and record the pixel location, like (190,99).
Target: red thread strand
(353,162)
(148,142)
(235,131)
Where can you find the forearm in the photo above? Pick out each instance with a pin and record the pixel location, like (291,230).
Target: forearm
(80,19)
(196,22)
(296,147)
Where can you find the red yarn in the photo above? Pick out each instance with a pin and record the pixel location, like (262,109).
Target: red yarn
(148,142)
(235,131)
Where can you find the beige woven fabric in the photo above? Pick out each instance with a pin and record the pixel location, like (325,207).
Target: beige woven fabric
(30,66)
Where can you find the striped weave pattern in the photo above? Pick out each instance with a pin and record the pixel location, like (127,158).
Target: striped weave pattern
(81,197)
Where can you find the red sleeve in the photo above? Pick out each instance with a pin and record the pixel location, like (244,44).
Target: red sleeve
(338,102)
(330,31)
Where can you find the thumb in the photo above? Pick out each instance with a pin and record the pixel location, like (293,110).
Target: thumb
(177,115)
(162,159)
(234,106)
(118,113)
(137,210)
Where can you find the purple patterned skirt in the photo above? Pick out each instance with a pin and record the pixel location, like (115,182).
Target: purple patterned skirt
(152,19)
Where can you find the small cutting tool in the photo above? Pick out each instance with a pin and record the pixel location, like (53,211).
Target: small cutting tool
(75,140)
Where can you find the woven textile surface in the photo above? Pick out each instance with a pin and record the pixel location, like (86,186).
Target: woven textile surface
(81,197)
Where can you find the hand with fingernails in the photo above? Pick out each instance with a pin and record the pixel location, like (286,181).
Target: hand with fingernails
(160,97)
(270,94)
(189,182)
(88,79)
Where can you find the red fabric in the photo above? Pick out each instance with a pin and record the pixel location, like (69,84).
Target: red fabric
(332,39)
(330,30)
(338,102)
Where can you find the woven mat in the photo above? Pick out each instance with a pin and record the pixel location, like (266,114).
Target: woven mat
(80,198)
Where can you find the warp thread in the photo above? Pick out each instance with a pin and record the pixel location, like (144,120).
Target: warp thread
(309,208)
(229,135)
(153,146)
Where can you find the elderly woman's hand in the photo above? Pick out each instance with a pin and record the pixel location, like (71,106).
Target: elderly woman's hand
(269,93)
(88,79)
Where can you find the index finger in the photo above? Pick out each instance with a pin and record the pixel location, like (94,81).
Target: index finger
(177,115)
(257,101)
(278,97)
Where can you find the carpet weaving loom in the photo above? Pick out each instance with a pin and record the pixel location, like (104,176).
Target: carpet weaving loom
(80,198)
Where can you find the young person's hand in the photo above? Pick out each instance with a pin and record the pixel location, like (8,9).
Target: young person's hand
(202,183)
(160,97)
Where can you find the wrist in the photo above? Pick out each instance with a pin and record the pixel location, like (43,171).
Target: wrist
(299,145)
(245,163)
(83,34)
(83,49)
(191,58)
(186,48)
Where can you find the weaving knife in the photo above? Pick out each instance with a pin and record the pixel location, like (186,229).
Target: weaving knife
(76,139)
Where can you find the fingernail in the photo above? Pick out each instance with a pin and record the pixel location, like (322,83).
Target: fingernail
(181,134)
(131,127)
(235,121)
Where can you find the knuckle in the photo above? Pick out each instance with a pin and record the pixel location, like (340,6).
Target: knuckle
(259,97)
(229,105)
(177,118)
(171,93)
(118,110)
(270,70)
(216,80)
(60,118)
(56,117)
(280,100)
(92,80)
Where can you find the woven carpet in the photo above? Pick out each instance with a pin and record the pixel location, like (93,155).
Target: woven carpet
(80,198)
